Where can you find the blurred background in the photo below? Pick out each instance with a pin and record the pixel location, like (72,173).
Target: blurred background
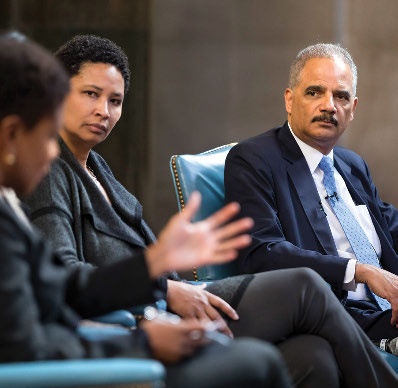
(209,72)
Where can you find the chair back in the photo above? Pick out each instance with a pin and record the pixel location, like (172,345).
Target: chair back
(203,172)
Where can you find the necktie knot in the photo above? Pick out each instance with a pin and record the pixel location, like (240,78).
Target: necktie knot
(326,165)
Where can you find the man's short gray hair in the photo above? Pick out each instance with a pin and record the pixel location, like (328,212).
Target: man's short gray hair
(321,50)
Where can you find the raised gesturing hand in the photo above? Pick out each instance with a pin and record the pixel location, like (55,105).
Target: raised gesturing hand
(182,244)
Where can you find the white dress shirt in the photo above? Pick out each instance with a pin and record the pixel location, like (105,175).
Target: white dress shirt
(361,213)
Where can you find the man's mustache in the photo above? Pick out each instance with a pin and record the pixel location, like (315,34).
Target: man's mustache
(325,117)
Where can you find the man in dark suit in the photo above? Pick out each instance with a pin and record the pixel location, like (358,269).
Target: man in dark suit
(277,180)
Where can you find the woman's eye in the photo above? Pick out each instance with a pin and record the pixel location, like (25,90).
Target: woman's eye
(116,102)
(90,93)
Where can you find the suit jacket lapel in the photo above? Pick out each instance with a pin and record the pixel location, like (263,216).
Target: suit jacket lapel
(353,183)
(304,185)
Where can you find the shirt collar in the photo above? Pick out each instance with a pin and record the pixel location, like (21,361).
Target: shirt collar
(311,155)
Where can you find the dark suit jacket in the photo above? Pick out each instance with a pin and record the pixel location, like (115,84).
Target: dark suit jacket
(269,176)
(42,300)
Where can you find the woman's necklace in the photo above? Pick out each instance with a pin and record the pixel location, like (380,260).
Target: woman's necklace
(97,182)
(90,170)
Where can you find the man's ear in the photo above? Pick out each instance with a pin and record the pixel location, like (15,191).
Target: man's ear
(288,100)
(354,106)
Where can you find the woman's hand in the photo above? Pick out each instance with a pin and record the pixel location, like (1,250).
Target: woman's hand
(171,342)
(182,244)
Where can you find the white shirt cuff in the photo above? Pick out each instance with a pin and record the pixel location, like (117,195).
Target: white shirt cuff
(349,281)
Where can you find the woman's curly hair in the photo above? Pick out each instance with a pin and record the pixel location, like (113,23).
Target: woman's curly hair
(91,48)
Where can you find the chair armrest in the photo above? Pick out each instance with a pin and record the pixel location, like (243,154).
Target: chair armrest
(121,317)
(199,282)
(95,332)
(81,373)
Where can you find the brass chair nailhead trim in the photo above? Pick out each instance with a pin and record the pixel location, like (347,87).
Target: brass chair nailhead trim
(181,198)
(179,191)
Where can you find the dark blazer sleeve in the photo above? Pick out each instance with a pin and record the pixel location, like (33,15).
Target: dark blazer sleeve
(92,292)
(290,228)
(41,299)
(23,335)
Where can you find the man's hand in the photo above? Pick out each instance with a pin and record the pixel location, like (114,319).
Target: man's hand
(172,342)
(382,283)
(189,301)
(182,244)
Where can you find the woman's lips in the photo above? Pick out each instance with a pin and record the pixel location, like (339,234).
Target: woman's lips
(98,128)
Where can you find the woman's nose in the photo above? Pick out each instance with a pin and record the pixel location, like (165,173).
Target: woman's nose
(102,108)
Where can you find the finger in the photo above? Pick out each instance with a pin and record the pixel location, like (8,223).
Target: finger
(203,315)
(221,326)
(223,256)
(394,319)
(234,243)
(234,228)
(207,313)
(192,206)
(227,331)
(222,305)
(223,215)
(213,316)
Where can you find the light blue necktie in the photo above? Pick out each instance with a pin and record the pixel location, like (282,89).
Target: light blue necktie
(360,244)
